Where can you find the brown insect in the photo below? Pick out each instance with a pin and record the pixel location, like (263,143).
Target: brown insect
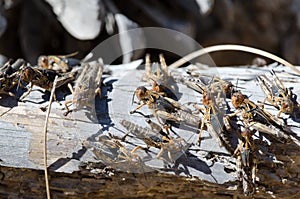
(202,84)
(9,76)
(164,108)
(113,153)
(161,80)
(246,161)
(258,118)
(43,78)
(277,94)
(216,122)
(7,83)
(87,87)
(59,63)
(155,137)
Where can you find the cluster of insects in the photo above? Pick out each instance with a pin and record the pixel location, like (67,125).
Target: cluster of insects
(222,110)
(78,76)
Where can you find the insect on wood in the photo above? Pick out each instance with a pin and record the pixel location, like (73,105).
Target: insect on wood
(215,120)
(155,137)
(258,118)
(277,94)
(164,108)
(59,63)
(9,76)
(246,161)
(43,78)
(113,153)
(87,87)
(159,77)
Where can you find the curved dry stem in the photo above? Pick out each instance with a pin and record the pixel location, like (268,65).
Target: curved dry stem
(215,48)
(45,138)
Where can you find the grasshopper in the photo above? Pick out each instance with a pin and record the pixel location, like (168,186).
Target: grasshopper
(161,80)
(277,94)
(200,82)
(246,161)
(87,87)
(9,76)
(214,119)
(164,108)
(59,63)
(7,83)
(155,137)
(258,118)
(43,78)
(112,152)
(214,91)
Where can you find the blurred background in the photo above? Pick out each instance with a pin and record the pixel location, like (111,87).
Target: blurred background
(29,28)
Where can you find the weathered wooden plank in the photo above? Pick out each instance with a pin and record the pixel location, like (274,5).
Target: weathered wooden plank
(21,127)
(23,122)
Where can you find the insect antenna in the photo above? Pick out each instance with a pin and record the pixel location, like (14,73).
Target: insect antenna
(19,76)
(236,87)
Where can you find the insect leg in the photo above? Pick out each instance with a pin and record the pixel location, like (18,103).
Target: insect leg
(27,92)
(9,93)
(148,66)
(163,64)
(201,128)
(137,108)
(167,116)
(67,108)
